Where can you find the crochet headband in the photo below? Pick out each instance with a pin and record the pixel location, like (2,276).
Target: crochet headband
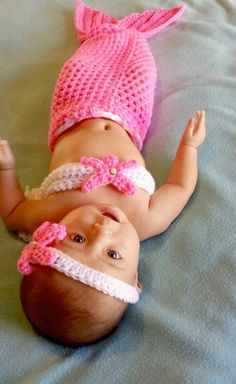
(39,252)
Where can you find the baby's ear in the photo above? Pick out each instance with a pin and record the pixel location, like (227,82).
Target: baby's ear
(138,285)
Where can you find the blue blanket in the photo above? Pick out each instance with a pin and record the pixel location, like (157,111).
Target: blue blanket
(183,330)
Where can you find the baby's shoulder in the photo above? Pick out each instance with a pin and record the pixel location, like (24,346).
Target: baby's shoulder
(138,214)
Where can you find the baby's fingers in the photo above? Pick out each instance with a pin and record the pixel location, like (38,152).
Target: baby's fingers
(200,129)
(194,133)
(7,159)
(190,126)
(4,147)
(201,119)
(189,130)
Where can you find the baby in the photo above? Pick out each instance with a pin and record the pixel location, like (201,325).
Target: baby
(89,215)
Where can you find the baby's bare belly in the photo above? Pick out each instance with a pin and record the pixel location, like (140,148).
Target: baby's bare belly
(97,138)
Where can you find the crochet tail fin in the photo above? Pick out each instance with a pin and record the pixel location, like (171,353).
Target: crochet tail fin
(152,21)
(89,21)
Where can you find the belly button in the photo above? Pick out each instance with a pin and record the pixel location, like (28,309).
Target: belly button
(107,127)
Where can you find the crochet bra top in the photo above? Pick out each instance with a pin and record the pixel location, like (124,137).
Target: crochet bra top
(91,173)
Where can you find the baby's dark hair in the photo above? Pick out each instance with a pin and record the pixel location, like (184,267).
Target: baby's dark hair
(67,311)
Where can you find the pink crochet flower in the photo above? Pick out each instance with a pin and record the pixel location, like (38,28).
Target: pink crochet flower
(108,171)
(37,250)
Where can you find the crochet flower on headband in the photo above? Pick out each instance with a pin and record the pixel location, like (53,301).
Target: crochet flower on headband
(39,251)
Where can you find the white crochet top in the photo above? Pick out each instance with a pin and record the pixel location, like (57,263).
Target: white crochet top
(91,173)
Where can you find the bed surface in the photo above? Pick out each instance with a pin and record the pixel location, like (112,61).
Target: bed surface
(183,330)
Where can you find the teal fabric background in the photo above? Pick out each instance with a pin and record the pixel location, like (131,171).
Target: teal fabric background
(183,330)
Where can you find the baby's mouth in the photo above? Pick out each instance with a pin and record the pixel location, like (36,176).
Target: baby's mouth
(112,215)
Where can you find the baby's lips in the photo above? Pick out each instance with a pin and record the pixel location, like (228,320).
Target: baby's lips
(112,215)
(113,212)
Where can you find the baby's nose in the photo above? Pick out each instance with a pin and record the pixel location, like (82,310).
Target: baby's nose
(104,227)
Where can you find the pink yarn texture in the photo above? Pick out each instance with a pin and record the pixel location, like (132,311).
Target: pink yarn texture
(113,72)
(107,171)
(37,251)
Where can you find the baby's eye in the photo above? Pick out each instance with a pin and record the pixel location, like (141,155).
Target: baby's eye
(78,238)
(114,254)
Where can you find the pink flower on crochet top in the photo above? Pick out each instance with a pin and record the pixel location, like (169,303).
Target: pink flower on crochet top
(108,171)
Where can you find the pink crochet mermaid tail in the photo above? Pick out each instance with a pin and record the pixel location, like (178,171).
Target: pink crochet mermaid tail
(112,74)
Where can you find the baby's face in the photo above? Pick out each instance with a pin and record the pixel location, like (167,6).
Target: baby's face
(102,237)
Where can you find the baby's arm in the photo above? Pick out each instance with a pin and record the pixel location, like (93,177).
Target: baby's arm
(169,200)
(16,211)
(19,213)
(11,194)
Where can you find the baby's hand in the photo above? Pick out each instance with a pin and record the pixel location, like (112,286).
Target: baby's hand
(7,159)
(194,135)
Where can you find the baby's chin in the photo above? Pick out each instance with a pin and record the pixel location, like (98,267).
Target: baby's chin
(112,211)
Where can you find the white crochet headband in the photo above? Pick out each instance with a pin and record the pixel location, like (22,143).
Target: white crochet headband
(38,252)
(96,279)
